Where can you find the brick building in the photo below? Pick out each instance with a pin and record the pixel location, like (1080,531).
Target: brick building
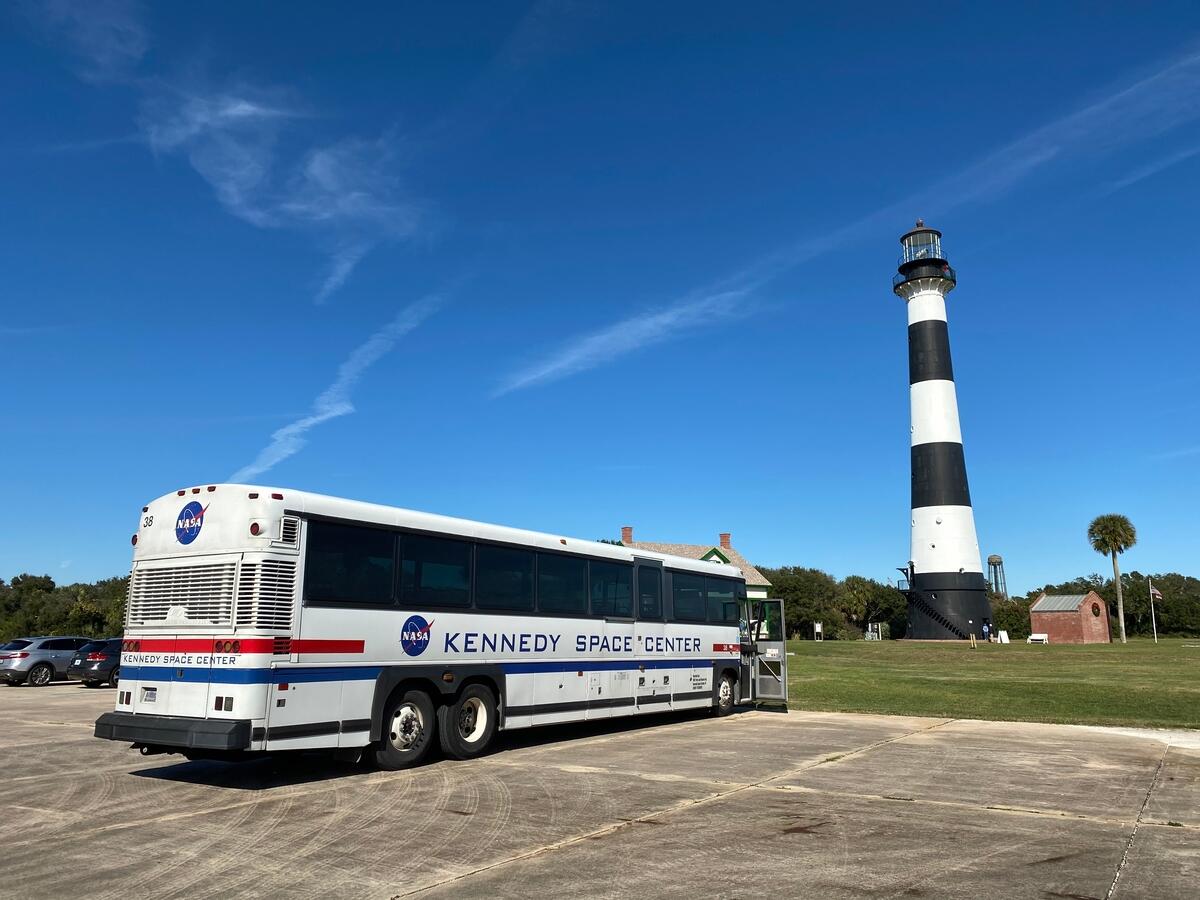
(1071,618)
(722,551)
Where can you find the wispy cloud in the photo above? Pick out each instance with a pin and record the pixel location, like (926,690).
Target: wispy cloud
(345,193)
(1177,454)
(23,330)
(108,37)
(1141,110)
(249,142)
(1153,168)
(335,400)
(625,336)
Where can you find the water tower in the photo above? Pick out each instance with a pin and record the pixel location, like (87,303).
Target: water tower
(947,593)
(996,579)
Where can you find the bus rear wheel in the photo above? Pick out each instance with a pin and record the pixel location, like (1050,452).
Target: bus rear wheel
(468,725)
(726,694)
(408,731)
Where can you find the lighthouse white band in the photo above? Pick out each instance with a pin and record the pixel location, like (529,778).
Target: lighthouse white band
(934,413)
(943,540)
(928,304)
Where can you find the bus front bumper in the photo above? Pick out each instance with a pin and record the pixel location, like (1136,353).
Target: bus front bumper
(174,731)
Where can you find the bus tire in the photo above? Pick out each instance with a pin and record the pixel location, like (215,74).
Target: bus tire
(468,725)
(407,732)
(726,694)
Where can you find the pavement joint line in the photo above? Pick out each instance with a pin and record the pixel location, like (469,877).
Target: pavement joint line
(1137,822)
(851,754)
(664,811)
(955,804)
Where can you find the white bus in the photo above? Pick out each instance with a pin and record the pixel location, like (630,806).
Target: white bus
(263,619)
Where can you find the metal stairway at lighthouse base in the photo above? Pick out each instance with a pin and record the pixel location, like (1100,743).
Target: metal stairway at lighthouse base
(933,620)
(948,606)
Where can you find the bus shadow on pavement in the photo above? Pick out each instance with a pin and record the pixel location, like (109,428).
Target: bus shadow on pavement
(258,774)
(289,769)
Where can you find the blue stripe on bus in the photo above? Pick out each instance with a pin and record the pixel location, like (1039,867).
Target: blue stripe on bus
(608,665)
(249,676)
(197,675)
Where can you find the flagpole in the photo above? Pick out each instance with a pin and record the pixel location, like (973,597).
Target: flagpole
(1153,624)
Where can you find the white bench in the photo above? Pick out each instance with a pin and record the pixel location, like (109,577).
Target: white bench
(1038,639)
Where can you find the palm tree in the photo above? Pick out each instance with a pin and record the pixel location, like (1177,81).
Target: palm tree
(1110,535)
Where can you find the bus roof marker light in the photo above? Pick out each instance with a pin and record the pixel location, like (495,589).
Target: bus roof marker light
(133,540)
(277,496)
(253,495)
(195,490)
(181,492)
(145,509)
(211,488)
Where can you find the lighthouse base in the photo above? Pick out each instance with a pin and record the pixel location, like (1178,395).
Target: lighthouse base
(947,606)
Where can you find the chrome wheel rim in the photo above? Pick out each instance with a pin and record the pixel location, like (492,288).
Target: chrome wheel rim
(472,720)
(407,726)
(40,676)
(725,692)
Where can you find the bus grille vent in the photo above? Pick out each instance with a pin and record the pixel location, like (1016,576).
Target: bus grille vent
(289,531)
(184,595)
(266,594)
(282,646)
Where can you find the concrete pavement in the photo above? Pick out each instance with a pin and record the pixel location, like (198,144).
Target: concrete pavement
(793,805)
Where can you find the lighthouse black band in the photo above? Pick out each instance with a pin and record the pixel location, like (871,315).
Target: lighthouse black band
(939,475)
(929,352)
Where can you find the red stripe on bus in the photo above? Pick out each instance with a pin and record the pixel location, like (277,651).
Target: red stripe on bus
(299,646)
(158,645)
(205,645)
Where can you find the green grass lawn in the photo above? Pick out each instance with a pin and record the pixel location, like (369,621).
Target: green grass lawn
(1139,683)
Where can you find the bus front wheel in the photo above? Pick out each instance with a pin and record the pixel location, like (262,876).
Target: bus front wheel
(408,731)
(467,725)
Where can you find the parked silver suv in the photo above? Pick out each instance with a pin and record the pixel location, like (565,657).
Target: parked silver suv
(38,660)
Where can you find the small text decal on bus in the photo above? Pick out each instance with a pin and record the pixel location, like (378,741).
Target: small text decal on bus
(189,523)
(414,636)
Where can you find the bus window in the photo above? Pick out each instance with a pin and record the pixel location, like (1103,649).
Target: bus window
(687,595)
(722,603)
(612,589)
(562,584)
(436,572)
(503,578)
(348,564)
(649,592)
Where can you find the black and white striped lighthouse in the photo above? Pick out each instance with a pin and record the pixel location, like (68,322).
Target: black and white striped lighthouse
(947,593)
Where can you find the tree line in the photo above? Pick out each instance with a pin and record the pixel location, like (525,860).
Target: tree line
(34,604)
(845,607)
(1177,613)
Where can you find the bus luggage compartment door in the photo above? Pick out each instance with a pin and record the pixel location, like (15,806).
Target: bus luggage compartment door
(764,651)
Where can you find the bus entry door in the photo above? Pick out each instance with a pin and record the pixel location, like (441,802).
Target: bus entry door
(764,652)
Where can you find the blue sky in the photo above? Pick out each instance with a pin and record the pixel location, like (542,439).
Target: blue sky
(571,266)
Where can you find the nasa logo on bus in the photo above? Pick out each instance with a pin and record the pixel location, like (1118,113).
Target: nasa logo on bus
(189,523)
(414,636)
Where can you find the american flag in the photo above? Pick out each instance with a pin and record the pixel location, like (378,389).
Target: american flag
(1155,593)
